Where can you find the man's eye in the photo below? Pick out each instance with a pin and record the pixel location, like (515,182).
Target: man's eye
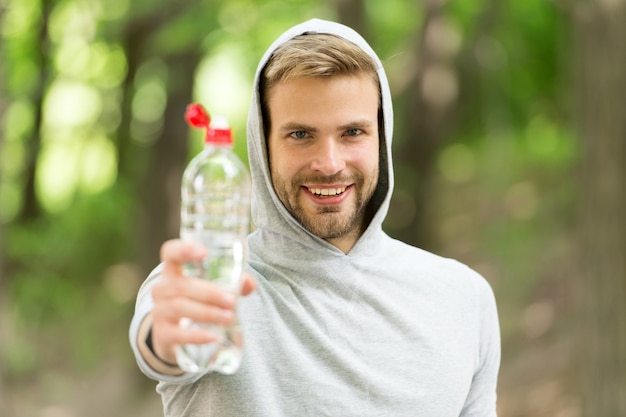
(353,132)
(300,134)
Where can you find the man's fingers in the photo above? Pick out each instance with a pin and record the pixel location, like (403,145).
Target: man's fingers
(175,252)
(199,312)
(166,338)
(182,335)
(196,290)
(248,285)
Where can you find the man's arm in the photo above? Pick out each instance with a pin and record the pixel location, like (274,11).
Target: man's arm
(144,344)
(140,325)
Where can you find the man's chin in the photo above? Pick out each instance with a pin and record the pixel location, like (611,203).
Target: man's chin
(327,225)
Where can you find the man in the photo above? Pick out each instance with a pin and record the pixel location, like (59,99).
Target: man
(344,321)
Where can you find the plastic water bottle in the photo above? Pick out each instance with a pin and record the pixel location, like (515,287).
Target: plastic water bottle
(215,212)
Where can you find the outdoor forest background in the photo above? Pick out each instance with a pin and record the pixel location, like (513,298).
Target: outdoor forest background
(509,151)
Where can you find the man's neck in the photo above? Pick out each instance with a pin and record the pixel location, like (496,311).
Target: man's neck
(347,242)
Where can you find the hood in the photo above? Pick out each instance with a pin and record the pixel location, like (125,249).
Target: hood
(268,213)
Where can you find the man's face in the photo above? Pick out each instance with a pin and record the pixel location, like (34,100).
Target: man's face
(323,151)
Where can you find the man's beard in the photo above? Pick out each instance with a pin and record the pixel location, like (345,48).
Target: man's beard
(328,222)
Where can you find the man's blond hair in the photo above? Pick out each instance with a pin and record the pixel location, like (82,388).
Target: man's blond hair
(313,55)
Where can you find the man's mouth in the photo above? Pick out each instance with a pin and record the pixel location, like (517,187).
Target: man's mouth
(327,192)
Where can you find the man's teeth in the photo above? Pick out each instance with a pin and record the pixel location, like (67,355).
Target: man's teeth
(327,191)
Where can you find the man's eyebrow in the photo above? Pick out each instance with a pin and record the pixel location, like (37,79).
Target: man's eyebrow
(357,124)
(295,127)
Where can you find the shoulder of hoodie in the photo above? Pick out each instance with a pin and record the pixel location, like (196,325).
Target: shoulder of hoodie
(417,261)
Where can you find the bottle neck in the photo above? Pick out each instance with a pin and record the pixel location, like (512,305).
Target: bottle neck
(218,145)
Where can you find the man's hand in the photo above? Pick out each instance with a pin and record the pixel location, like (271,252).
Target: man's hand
(176,296)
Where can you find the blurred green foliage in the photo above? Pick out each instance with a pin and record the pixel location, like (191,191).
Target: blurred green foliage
(502,186)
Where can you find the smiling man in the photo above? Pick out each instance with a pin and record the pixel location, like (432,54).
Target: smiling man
(340,319)
(323,148)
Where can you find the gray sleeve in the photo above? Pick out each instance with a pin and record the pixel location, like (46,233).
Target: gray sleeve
(143,307)
(481,399)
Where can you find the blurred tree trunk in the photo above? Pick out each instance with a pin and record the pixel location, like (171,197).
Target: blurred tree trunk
(153,172)
(130,159)
(133,42)
(426,107)
(160,190)
(31,208)
(600,34)
(3,288)
(352,13)
(135,39)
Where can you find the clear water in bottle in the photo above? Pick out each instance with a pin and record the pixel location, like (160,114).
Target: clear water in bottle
(224,266)
(215,209)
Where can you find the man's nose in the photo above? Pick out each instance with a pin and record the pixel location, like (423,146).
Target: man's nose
(328,158)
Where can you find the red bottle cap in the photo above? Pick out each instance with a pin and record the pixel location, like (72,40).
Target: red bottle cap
(217,131)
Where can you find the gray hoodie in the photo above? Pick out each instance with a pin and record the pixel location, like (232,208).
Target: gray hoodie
(385,330)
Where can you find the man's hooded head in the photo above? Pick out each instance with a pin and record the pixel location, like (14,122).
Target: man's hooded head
(314,50)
